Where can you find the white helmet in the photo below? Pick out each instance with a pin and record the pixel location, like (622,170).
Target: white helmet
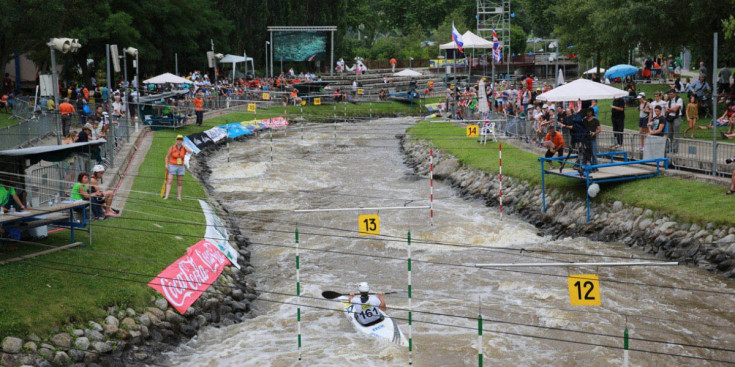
(364,287)
(98,168)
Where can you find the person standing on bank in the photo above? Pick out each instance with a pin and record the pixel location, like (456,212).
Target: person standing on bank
(368,305)
(199,108)
(618,119)
(175,165)
(674,110)
(593,126)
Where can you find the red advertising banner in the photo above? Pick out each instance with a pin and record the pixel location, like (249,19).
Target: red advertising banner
(184,281)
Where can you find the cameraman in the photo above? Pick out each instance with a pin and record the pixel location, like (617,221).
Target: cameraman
(594,128)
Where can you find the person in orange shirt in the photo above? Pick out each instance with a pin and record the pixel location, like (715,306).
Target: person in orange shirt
(199,108)
(295,96)
(66,110)
(175,165)
(86,93)
(393,63)
(554,143)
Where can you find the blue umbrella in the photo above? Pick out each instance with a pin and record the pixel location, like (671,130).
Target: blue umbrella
(621,71)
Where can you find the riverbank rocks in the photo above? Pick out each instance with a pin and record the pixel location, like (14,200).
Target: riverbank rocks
(711,248)
(12,345)
(62,340)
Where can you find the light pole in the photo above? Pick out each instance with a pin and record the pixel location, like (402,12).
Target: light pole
(555,45)
(134,52)
(266,59)
(64,45)
(409,61)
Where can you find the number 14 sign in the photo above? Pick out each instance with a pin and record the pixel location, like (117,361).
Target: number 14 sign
(584,290)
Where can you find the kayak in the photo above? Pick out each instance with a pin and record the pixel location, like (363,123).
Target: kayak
(387,329)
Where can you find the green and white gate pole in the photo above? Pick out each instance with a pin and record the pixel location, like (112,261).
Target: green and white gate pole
(298,293)
(270,133)
(410,314)
(335,123)
(479,336)
(625,348)
(228,142)
(371,109)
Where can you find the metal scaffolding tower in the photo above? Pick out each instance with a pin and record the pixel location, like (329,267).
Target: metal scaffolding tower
(495,13)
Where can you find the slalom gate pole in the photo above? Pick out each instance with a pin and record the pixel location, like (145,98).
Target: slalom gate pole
(431,186)
(625,347)
(302,122)
(270,133)
(345,111)
(335,123)
(500,176)
(479,332)
(228,143)
(410,313)
(371,109)
(298,293)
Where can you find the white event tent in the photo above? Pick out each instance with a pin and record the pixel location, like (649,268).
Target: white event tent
(581,89)
(408,72)
(470,40)
(167,78)
(235,59)
(594,70)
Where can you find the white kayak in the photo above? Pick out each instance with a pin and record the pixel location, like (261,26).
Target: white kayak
(387,329)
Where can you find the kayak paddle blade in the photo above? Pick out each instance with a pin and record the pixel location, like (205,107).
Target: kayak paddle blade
(331,294)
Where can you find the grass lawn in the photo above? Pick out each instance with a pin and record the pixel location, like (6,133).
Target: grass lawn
(36,298)
(631,113)
(681,199)
(6,119)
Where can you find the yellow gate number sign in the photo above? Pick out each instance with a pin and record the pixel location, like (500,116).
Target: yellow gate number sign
(451,86)
(266,96)
(369,224)
(473,131)
(359,91)
(251,107)
(584,290)
(317,101)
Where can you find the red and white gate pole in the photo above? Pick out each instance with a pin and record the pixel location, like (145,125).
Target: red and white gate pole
(431,186)
(500,175)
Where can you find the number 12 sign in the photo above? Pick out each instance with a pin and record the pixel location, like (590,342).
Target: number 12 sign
(584,290)
(369,224)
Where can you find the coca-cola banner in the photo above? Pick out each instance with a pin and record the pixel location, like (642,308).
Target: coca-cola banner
(182,282)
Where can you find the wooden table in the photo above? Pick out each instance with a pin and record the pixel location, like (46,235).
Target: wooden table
(31,217)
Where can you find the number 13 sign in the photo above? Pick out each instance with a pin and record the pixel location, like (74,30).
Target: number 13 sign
(584,290)
(369,224)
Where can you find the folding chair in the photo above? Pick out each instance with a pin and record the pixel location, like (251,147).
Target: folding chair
(487,129)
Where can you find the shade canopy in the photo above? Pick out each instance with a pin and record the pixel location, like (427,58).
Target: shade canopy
(470,40)
(234,59)
(621,71)
(407,72)
(594,70)
(167,78)
(49,153)
(581,89)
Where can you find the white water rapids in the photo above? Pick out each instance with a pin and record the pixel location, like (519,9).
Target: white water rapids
(528,320)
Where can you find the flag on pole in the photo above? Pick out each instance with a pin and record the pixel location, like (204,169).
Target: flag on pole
(496,47)
(457,38)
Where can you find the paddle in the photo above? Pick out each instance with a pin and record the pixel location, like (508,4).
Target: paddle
(165,177)
(333,294)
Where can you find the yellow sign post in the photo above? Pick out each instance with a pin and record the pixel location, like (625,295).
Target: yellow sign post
(584,290)
(473,131)
(359,91)
(266,96)
(369,224)
(251,107)
(317,101)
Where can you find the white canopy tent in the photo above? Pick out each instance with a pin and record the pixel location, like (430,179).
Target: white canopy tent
(594,70)
(167,78)
(234,60)
(581,89)
(408,72)
(470,40)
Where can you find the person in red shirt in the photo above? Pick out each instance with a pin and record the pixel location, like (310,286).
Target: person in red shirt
(393,63)
(529,82)
(554,143)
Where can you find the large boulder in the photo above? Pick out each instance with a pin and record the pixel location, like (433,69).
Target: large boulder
(12,345)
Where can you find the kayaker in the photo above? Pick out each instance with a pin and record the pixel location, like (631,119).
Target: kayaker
(368,312)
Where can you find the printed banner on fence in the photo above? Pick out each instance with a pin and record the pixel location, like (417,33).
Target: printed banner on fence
(190,144)
(440,63)
(235,130)
(275,122)
(184,281)
(216,233)
(216,134)
(201,140)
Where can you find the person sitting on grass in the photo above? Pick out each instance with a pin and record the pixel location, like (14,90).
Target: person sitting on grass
(554,143)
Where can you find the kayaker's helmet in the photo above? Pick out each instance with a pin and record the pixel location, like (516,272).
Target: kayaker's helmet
(364,287)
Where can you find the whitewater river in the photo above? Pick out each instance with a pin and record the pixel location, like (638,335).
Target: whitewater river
(527,314)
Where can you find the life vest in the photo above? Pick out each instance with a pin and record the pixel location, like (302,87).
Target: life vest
(177,155)
(366,312)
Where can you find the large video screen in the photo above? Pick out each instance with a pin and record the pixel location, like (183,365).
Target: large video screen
(299,46)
